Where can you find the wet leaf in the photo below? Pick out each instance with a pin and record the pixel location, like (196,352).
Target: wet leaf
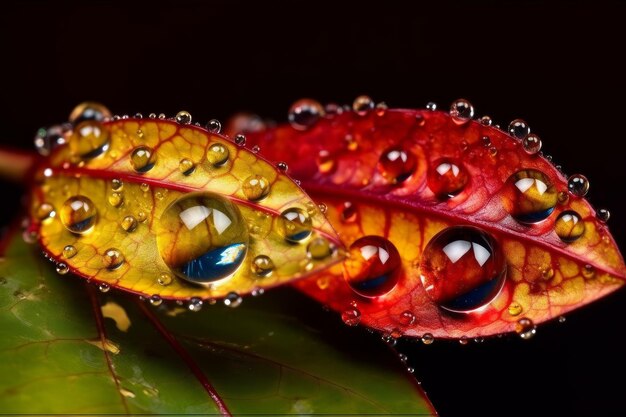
(157,207)
(530,247)
(68,349)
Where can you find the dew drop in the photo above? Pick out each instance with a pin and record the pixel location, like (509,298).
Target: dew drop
(89,111)
(295,225)
(396,165)
(431,106)
(164,279)
(362,105)
(240,139)
(548,273)
(262,266)
(428,339)
(462,269)
(486,121)
(214,126)
(140,133)
(217,154)
(603,215)
(117,185)
(195,304)
(325,162)
(89,140)
(62,268)
(407,318)
(144,187)
(162,116)
(529,196)
(186,166)
(588,271)
(323,208)
(381,109)
(351,316)
(183,117)
(319,248)
(104,287)
(129,223)
(152,116)
(257,292)
(519,129)
(569,226)
(116,199)
(532,144)
(232,300)
(348,212)
(304,113)
(578,185)
(515,308)
(69,251)
(78,214)
(202,238)
(461,111)
(47,139)
(256,187)
(113,259)
(372,268)
(463,341)
(45,211)
(562,319)
(156,300)
(256,149)
(403,358)
(525,328)
(282,166)
(142,159)
(446,178)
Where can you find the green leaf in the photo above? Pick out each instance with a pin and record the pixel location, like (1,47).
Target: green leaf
(67,348)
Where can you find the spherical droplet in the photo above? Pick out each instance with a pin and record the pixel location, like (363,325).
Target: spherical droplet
(529,196)
(447,178)
(588,271)
(89,111)
(116,199)
(349,212)
(202,237)
(381,109)
(319,248)
(69,251)
(47,139)
(45,211)
(372,268)
(78,214)
(165,279)
(142,159)
(569,226)
(432,106)
(295,225)
(186,166)
(407,318)
(396,165)
(486,121)
(129,223)
(462,268)
(428,339)
(195,304)
(578,185)
(104,287)
(217,154)
(262,266)
(325,162)
(532,144)
(351,316)
(463,341)
(240,139)
(117,185)
(183,117)
(304,113)
(214,126)
(232,300)
(282,166)
(156,300)
(89,140)
(362,105)
(62,268)
(256,187)
(461,111)
(515,308)
(519,129)
(525,328)
(603,215)
(113,258)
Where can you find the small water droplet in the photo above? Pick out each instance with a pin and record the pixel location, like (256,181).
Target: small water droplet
(47,139)
(362,105)
(325,162)
(486,141)
(195,304)
(589,271)
(45,211)
(562,319)
(403,358)
(165,279)
(295,225)
(529,196)
(319,248)
(578,185)
(282,166)
(407,318)
(515,308)
(396,165)
(446,178)
(62,268)
(144,187)
(140,133)
(304,113)
(532,144)
(519,129)
(186,166)
(351,316)
(138,116)
(479,339)
(162,116)
(547,273)
(486,121)
(214,126)
(569,226)
(69,251)
(78,214)
(603,215)
(89,140)
(116,199)
(152,116)
(372,266)
(461,111)
(156,300)
(142,159)
(129,223)
(525,328)
(30,236)
(104,287)
(183,117)
(431,106)
(117,185)
(257,292)
(262,266)
(217,154)
(349,212)
(381,109)
(428,339)
(493,151)
(410,370)
(463,341)
(232,300)
(113,258)
(240,139)
(256,187)
(256,149)
(89,111)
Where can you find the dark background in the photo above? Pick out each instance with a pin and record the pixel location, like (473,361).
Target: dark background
(558,65)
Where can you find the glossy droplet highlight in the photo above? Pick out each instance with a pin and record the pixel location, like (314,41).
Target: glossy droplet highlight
(428,339)
(69,252)
(515,309)
(295,225)
(217,154)
(104,287)
(62,268)
(578,185)
(262,266)
(407,318)
(461,111)
(447,178)
(569,226)
(195,304)
(89,140)
(89,111)
(462,269)
(113,259)
(232,300)
(603,215)
(202,238)
(362,105)
(519,129)
(78,214)
(529,196)
(372,268)
(319,248)
(525,328)
(116,199)
(348,212)
(256,187)
(129,223)
(532,144)
(351,316)
(165,279)
(304,113)
(396,164)
(117,185)
(156,300)
(325,162)
(186,166)
(183,117)
(214,126)
(588,271)
(45,211)
(142,159)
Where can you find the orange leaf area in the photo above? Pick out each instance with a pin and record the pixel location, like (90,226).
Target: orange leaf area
(173,211)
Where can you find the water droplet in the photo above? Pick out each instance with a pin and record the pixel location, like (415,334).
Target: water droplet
(89,111)
(152,116)
(164,279)
(351,316)
(202,237)
(144,187)
(214,126)
(578,185)
(262,266)
(89,140)
(282,166)
(519,129)
(569,226)
(304,113)
(140,133)
(461,111)
(162,116)
(396,164)
(183,117)
(78,214)
(104,287)
(407,318)
(117,185)
(156,300)
(525,328)
(372,267)
(129,223)
(195,304)
(403,358)
(411,371)
(603,215)
(113,259)
(462,268)
(257,292)
(295,225)
(381,109)
(62,268)
(362,105)
(47,139)
(256,187)
(532,144)
(69,252)
(428,339)
(186,166)
(217,154)
(240,139)
(325,162)
(116,199)
(142,159)
(589,271)
(232,300)
(515,308)
(463,341)
(142,216)
(493,151)
(45,211)
(486,121)
(431,106)
(349,212)
(529,196)
(30,236)
(562,319)
(447,178)
(319,248)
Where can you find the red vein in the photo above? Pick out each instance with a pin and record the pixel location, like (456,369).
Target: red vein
(186,357)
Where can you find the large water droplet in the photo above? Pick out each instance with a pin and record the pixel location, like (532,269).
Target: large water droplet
(578,185)
(462,268)
(529,196)
(372,268)
(202,237)
(78,214)
(113,258)
(569,226)
(525,328)
(304,113)
(183,117)
(351,316)
(295,225)
(142,159)
(89,139)
(447,178)
(262,266)
(519,129)
(89,111)
(461,111)
(396,164)
(256,187)
(217,154)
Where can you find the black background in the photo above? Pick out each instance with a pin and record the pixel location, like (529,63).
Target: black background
(557,65)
